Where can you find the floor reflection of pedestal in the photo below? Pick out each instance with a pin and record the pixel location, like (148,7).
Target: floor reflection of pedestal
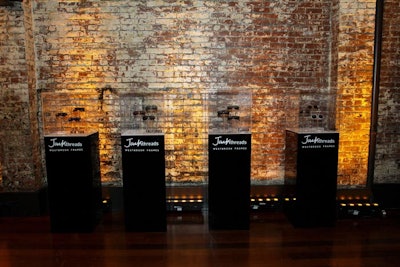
(143,162)
(311,176)
(74,186)
(229,181)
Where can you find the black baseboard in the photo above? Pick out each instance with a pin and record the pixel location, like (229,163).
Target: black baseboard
(20,204)
(185,198)
(387,195)
(112,198)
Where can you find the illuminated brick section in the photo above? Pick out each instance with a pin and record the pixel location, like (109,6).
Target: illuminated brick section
(354,87)
(279,51)
(289,54)
(387,164)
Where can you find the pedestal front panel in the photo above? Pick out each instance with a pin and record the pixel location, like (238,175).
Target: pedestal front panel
(74,186)
(143,162)
(229,181)
(311,170)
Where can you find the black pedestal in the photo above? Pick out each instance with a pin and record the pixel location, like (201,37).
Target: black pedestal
(311,175)
(229,181)
(74,186)
(143,162)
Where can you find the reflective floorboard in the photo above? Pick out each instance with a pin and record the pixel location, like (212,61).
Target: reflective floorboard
(271,241)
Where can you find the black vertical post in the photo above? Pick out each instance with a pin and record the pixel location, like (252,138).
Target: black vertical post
(229,181)
(74,186)
(311,171)
(375,91)
(143,163)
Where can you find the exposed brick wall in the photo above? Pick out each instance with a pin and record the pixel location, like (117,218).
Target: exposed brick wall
(277,50)
(290,73)
(287,54)
(387,164)
(20,147)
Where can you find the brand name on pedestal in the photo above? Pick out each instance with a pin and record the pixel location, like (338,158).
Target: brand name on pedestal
(63,143)
(131,142)
(316,140)
(219,140)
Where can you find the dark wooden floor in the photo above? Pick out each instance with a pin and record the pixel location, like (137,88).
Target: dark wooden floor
(271,241)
